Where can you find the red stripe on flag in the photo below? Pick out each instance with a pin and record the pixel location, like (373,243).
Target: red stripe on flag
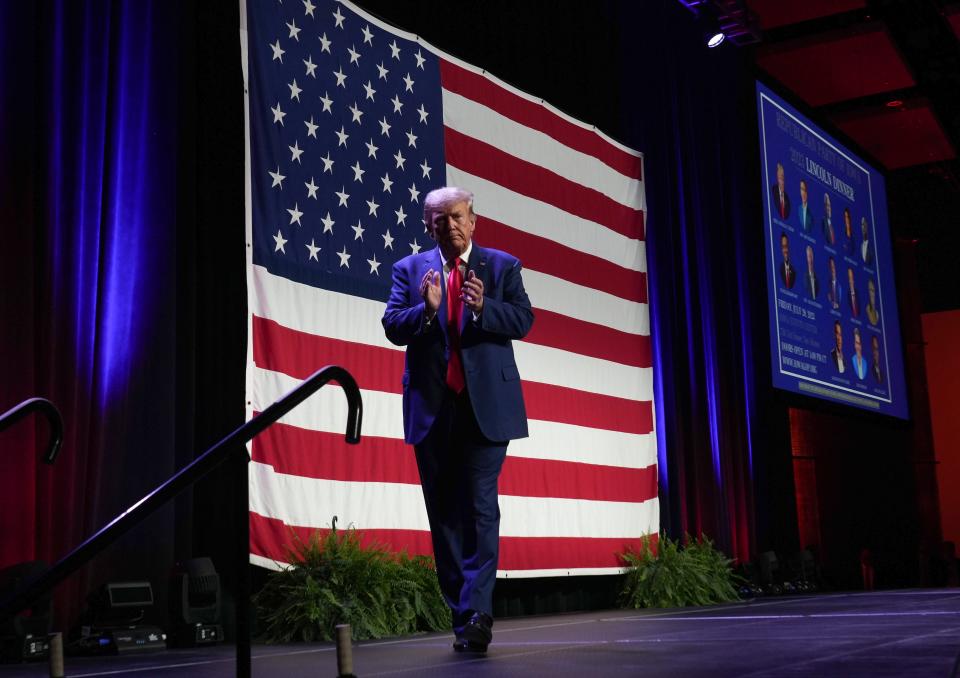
(526,477)
(299,355)
(570,406)
(480,89)
(270,537)
(534,181)
(318,454)
(597,341)
(546,256)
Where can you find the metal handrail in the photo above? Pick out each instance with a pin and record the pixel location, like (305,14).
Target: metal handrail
(49,411)
(233,444)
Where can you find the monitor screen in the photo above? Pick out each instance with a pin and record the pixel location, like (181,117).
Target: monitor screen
(834,325)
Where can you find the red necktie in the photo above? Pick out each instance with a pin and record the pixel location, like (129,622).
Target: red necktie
(455,377)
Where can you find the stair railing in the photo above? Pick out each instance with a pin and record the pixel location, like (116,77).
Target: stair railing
(233,446)
(50,413)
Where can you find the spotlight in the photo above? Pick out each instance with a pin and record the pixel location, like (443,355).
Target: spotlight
(715,39)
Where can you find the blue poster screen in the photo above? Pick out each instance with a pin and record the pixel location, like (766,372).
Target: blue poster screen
(834,326)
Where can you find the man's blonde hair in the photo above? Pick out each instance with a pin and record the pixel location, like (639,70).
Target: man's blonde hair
(439,198)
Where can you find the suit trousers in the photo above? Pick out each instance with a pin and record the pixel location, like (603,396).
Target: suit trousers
(459,468)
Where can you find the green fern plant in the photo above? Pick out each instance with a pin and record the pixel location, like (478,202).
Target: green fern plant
(671,575)
(332,580)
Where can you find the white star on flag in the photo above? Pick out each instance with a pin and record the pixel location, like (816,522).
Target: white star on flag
(355,112)
(358,172)
(311,189)
(328,223)
(327,163)
(358,231)
(294,31)
(278,238)
(296,151)
(295,214)
(277,178)
(327,102)
(294,90)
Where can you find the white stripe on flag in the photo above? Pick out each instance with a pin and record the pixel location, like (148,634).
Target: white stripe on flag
(317,311)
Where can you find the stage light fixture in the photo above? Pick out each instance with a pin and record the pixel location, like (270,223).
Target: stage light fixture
(713,34)
(114,620)
(23,636)
(195,603)
(733,21)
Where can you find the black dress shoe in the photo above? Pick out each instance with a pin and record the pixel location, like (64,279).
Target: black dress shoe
(461,644)
(476,634)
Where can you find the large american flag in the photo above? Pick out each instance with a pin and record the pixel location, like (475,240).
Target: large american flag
(350,123)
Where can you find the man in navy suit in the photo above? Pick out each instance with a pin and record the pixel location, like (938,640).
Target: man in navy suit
(462,401)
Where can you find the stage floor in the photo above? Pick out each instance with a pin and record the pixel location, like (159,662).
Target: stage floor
(888,633)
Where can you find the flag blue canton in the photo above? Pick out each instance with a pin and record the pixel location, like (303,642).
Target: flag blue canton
(346,135)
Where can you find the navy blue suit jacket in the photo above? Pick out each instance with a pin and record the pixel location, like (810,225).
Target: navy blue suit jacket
(493,380)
